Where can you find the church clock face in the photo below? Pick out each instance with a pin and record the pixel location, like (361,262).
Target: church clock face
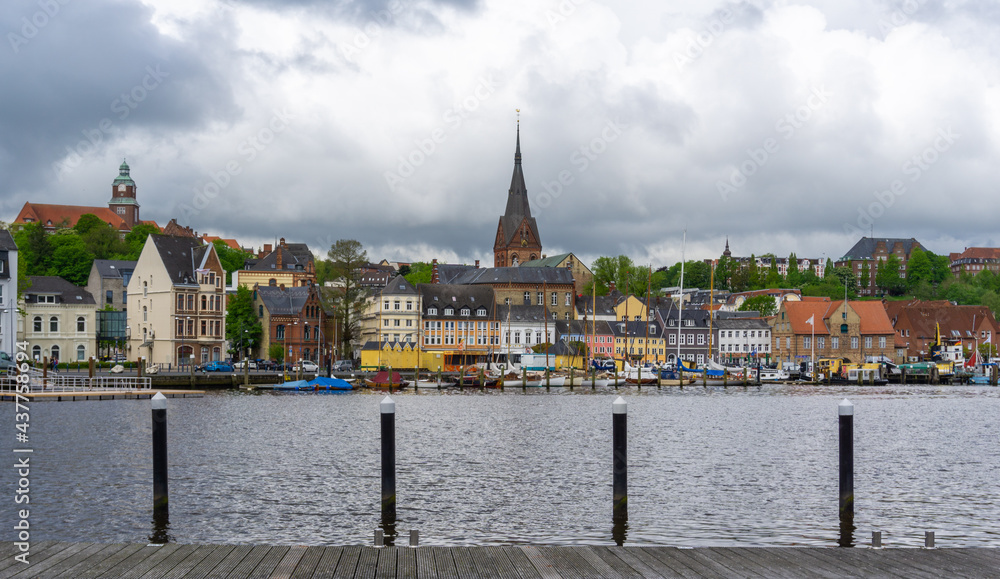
(121,187)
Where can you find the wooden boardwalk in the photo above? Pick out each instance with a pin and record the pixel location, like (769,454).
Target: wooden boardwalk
(80,395)
(84,560)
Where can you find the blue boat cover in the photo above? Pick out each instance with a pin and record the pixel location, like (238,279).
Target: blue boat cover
(294,385)
(324,383)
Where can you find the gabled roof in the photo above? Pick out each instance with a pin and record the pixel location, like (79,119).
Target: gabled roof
(518,208)
(292,255)
(55,215)
(636,329)
(741,324)
(112,268)
(865,247)
(7,241)
(873,317)
(605,304)
(68,292)
(976,253)
(797,313)
(398,286)
(520,313)
(574,327)
(181,256)
(441,296)
(287,301)
(502,275)
(231,243)
(550,261)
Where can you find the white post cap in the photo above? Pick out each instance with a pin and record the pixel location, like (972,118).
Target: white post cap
(619,406)
(387,406)
(846,408)
(159,401)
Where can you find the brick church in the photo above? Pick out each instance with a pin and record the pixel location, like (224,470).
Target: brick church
(517,239)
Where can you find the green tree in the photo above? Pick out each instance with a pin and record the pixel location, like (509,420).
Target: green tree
(940,268)
(404,270)
(919,268)
(724,273)
(243,327)
(276,352)
(87,222)
(231,259)
(33,249)
(843,277)
(70,258)
(135,240)
(420,272)
(755,279)
(347,257)
(765,305)
(103,241)
(864,276)
(773,279)
(793,278)
(887,277)
(828,268)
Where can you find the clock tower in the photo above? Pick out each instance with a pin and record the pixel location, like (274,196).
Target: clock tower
(517,239)
(123,202)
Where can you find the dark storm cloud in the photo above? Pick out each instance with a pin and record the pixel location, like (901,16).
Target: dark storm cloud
(92,73)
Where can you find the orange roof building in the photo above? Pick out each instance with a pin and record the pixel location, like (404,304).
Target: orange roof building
(856,330)
(122,211)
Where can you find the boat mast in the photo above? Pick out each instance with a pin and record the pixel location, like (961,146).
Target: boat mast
(649,283)
(680,302)
(711,310)
(545,311)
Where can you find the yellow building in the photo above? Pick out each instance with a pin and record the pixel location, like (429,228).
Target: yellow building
(289,265)
(390,354)
(639,342)
(631,309)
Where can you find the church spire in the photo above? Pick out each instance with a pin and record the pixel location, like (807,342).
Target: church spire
(517,238)
(517,150)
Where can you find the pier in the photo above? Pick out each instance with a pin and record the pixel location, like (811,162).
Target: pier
(150,561)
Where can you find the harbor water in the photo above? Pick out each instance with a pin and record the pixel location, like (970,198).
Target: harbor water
(754,466)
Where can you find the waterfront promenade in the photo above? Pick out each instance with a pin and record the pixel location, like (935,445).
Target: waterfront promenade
(80,560)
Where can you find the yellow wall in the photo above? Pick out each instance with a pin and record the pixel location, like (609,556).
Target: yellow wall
(397,358)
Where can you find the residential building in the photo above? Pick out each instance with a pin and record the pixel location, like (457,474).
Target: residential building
(517,239)
(974,260)
(917,323)
(524,327)
(639,341)
(541,286)
(59,320)
(293,317)
(742,340)
(600,339)
(122,211)
(108,282)
(734,301)
(460,327)
(177,302)
(856,330)
(605,307)
(872,251)
(803,264)
(376,275)
(582,276)
(289,265)
(392,314)
(687,333)
(8,293)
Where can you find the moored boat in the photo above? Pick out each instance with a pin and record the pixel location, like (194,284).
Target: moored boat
(382,381)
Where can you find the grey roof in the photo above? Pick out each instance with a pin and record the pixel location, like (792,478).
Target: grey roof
(561,348)
(180,256)
(7,241)
(68,292)
(518,208)
(398,286)
(636,329)
(112,268)
(448,272)
(502,275)
(605,304)
(287,301)
(574,327)
(699,316)
(457,296)
(741,324)
(292,256)
(520,313)
(550,261)
(865,247)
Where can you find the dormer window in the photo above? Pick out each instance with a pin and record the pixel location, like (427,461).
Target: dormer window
(432,311)
(481,312)
(465,311)
(449,311)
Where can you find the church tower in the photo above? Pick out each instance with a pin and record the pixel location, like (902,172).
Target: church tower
(123,202)
(517,238)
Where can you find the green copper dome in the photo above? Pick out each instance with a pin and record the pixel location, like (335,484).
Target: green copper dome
(123,175)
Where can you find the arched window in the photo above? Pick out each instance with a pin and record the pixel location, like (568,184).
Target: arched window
(216,354)
(36,353)
(260,311)
(204,302)
(37,325)
(144,289)
(81,353)
(81,324)
(53,324)
(204,354)
(305,333)
(55,353)
(190,304)
(272,282)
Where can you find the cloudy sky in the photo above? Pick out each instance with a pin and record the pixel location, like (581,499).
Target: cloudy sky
(784,126)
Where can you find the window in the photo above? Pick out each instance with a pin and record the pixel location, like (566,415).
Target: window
(385,323)
(37,324)
(541,298)
(449,311)
(701,339)
(465,311)
(305,332)
(109,297)
(144,289)
(432,311)
(279,332)
(395,305)
(527,298)
(881,341)
(55,353)
(204,328)
(806,342)
(81,353)
(821,342)
(554,301)
(36,352)
(394,323)
(517,337)
(481,312)
(180,302)
(190,302)
(81,324)
(53,324)
(788,342)
(835,343)
(868,341)
(204,302)
(409,323)
(672,340)
(144,313)
(409,306)
(854,342)
(124,296)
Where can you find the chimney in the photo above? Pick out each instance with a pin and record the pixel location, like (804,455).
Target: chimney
(278,265)
(611,287)
(477,264)
(434,271)
(282,242)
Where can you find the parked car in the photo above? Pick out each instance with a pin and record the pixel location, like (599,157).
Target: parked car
(7,365)
(239,365)
(343,366)
(217,367)
(268,365)
(307,366)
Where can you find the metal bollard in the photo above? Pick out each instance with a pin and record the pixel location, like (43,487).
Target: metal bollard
(876,539)
(620,455)
(160,494)
(414,537)
(388,412)
(846,412)
(928,539)
(379,540)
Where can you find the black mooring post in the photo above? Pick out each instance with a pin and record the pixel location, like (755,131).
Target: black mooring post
(160,494)
(620,463)
(846,411)
(388,411)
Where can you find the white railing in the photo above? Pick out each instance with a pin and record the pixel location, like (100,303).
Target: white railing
(61,383)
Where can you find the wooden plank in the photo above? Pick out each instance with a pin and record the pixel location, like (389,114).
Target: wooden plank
(425,562)
(632,561)
(621,567)
(287,564)
(463,562)
(367,563)
(502,562)
(37,552)
(121,561)
(80,557)
(799,564)
(249,562)
(484,563)
(328,562)
(914,562)
(348,564)
(520,562)
(167,565)
(406,562)
(183,567)
(540,563)
(386,566)
(208,562)
(736,558)
(662,568)
(568,562)
(150,562)
(67,551)
(596,563)
(231,560)
(775,566)
(681,562)
(839,558)
(444,562)
(968,561)
(308,562)
(269,562)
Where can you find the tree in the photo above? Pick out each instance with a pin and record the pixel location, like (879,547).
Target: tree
(864,276)
(70,258)
(420,272)
(724,273)
(919,268)
(404,270)
(135,240)
(243,327)
(887,277)
(103,241)
(773,279)
(843,277)
(793,278)
(87,222)
(231,259)
(347,257)
(33,249)
(940,268)
(828,267)
(276,352)
(765,305)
